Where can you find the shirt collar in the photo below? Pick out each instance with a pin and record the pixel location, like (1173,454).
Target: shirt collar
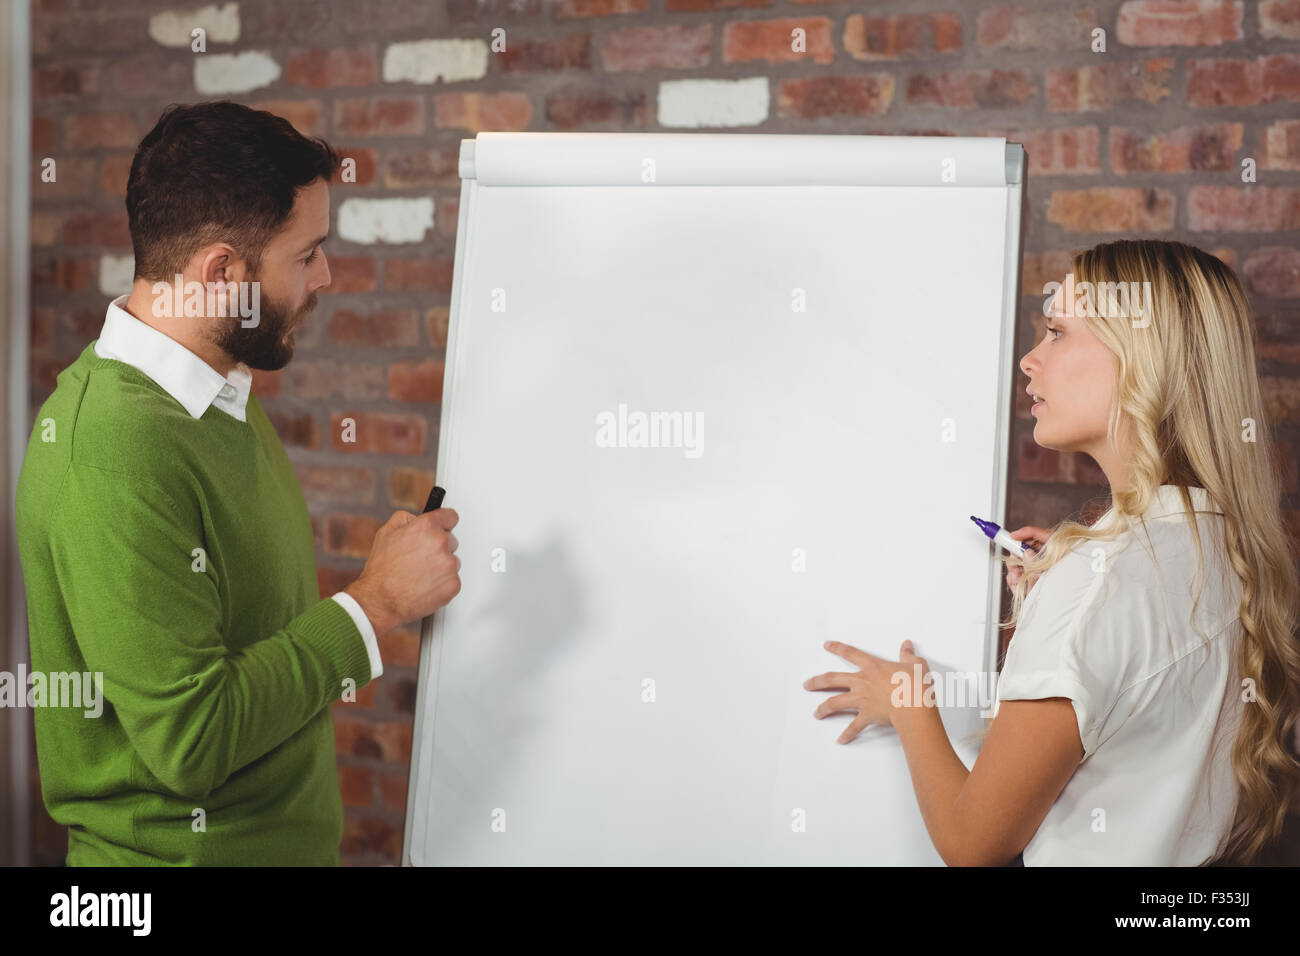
(1168,501)
(178,371)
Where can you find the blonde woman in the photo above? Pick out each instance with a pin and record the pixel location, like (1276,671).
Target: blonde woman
(1148,703)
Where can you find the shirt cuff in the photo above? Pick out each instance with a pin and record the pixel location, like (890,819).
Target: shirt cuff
(367,631)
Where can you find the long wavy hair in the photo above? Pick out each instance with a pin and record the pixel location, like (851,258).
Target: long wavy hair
(1187,392)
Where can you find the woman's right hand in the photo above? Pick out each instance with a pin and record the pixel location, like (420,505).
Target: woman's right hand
(1036,538)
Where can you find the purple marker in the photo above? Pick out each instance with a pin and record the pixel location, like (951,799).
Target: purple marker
(999,536)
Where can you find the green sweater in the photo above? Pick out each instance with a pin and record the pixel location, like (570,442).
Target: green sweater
(218,667)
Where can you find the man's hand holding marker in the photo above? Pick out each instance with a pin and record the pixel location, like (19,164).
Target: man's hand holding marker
(412,569)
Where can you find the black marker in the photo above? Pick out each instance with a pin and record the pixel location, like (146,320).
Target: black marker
(435,499)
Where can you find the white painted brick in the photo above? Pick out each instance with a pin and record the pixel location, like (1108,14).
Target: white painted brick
(116,275)
(714,102)
(385,220)
(217,73)
(173,27)
(428,61)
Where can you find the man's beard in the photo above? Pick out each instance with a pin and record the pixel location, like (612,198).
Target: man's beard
(263,346)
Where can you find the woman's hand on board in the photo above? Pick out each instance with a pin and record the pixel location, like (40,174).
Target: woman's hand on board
(1035,538)
(870,690)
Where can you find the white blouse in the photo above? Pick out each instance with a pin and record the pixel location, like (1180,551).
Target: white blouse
(1155,690)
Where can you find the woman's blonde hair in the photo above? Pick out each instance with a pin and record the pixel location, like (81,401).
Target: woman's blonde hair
(1187,393)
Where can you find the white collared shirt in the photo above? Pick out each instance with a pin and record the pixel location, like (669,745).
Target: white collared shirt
(196,385)
(1154,687)
(182,374)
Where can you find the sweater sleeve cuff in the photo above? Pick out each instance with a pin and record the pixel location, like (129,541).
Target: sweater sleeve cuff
(328,628)
(367,631)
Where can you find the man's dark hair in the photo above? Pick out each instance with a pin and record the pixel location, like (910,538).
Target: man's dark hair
(216,172)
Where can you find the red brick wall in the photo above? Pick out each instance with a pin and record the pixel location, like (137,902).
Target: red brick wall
(1146,138)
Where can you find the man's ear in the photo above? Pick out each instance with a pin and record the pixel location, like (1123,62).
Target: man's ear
(220,263)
